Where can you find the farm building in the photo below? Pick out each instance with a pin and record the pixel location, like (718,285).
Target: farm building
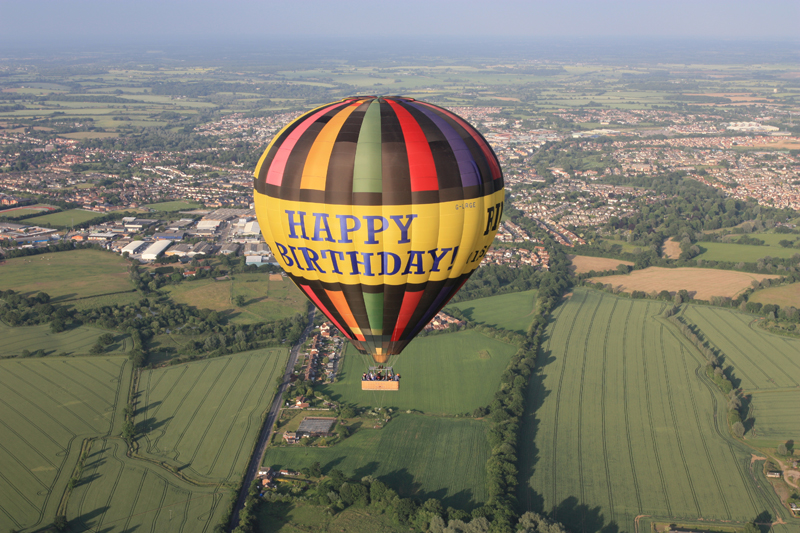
(290,437)
(774,473)
(133,247)
(313,426)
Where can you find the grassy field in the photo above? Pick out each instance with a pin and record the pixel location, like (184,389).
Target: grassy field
(280,517)
(419,456)
(513,311)
(784,296)
(204,416)
(453,373)
(265,299)
(584,263)
(765,365)
(701,283)
(119,494)
(174,206)
(623,423)
(65,219)
(75,341)
(66,275)
(47,408)
(723,251)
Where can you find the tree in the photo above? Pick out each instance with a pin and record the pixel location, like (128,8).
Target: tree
(782,449)
(60,523)
(128,432)
(240,301)
(751,528)
(97,349)
(106,339)
(738,429)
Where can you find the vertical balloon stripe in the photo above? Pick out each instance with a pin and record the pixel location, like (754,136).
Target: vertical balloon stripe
(315,170)
(466,167)
(487,151)
(410,302)
(374,304)
(275,174)
(421,166)
(318,303)
(434,308)
(340,303)
(367,169)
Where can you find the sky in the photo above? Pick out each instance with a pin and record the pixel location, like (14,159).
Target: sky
(120,22)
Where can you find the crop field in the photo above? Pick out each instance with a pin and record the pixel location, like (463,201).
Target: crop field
(724,251)
(174,206)
(760,359)
(624,423)
(784,296)
(701,283)
(265,299)
(76,341)
(204,416)
(514,312)
(66,275)
(300,517)
(585,263)
(764,365)
(64,219)
(117,494)
(452,373)
(420,456)
(47,407)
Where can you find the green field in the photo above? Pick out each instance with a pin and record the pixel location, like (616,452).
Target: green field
(452,373)
(75,341)
(624,423)
(723,251)
(764,365)
(173,206)
(66,275)
(65,219)
(120,494)
(419,456)
(784,295)
(203,417)
(300,517)
(47,408)
(514,311)
(265,300)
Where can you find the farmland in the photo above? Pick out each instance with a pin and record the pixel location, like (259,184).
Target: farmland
(623,423)
(48,406)
(117,494)
(300,517)
(74,341)
(265,298)
(204,416)
(784,296)
(730,251)
(701,283)
(454,373)
(584,263)
(764,365)
(513,311)
(420,456)
(65,219)
(66,275)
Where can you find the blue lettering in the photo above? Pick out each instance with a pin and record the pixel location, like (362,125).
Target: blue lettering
(345,229)
(294,223)
(403,227)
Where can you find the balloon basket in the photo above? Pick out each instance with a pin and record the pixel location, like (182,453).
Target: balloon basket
(380,384)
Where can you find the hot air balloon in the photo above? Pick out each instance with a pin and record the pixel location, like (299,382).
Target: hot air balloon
(379,209)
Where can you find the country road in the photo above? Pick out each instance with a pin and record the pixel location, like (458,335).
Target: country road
(266,429)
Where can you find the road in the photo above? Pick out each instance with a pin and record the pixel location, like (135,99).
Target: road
(266,429)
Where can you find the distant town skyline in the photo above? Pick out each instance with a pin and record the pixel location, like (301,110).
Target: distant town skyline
(64,23)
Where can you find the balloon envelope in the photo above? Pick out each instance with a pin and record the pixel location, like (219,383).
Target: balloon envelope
(379,209)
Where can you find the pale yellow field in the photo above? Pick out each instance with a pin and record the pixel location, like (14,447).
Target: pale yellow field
(701,283)
(785,296)
(584,263)
(672,249)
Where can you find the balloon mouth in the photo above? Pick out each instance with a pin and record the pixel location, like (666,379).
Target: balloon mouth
(380,358)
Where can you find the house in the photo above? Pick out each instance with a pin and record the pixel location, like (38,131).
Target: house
(289,473)
(290,437)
